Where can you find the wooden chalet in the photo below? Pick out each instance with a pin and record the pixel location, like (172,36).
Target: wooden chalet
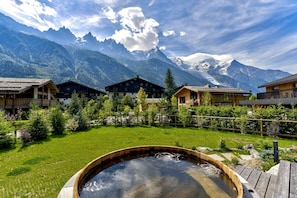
(194,95)
(282,91)
(67,88)
(132,86)
(20,92)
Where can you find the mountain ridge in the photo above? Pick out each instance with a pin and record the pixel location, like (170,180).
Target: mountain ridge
(57,54)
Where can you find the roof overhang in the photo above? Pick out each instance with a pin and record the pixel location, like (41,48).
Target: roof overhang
(20,85)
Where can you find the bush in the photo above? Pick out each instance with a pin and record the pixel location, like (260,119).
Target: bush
(222,145)
(78,122)
(82,121)
(72,124)
(25,137)
(57,121)
(183,115)
(6,140)
(235,161)
(37,125)
(152,112)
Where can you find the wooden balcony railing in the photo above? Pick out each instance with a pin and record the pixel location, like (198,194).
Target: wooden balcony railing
(24,103)
(287,93)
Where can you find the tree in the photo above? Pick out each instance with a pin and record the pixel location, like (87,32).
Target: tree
(127,100)
(57,120)
(75,104)
(37,126)
(206,99)
(105,111)
(170,84)
(91,110)
(141,99)
(183,115)
(142,103)
(252,97)
(152,112)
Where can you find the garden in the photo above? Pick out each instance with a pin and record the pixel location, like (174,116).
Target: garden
(42,148)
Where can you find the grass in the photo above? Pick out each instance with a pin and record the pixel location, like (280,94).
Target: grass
(41,169)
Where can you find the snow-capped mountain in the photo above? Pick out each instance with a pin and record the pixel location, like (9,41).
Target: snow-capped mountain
(224,70)
(203,62)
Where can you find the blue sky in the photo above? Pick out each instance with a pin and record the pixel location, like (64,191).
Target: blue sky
(261,33)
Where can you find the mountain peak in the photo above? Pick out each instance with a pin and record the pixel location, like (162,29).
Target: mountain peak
(199,58)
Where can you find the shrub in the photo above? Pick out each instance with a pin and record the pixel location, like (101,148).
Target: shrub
(75,104)
(37,126)
(6,140)
(266,154)
(235,160)
(152,112)
(72,124)
(57,121)
(78,122)
(183,115)
(25,137)
(222,145)
(242,124)
(178,144)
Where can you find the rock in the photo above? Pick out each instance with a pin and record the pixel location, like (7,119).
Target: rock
(248,147)
(254,153)
(203,149)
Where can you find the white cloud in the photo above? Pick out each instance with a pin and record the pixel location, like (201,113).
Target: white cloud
(30,12)
(182,33)
(162,47)
(137,33)
(169,33)
(110,14)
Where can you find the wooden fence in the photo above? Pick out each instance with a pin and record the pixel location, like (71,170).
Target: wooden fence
(263,127)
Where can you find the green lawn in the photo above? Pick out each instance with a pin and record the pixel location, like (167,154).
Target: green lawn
(41,169)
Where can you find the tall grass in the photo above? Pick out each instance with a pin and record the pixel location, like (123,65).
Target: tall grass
(41,169)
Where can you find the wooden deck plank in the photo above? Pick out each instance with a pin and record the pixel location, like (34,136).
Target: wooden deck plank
(254,177)
(262,184)
(271,187)
(283,180)
(239,169)
(293,180)
(246,173)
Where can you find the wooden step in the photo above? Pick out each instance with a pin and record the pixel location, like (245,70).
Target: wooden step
(286,183)
(263,183)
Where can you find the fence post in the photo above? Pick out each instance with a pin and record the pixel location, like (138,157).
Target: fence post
(261,126)
(233,123)
(275,151)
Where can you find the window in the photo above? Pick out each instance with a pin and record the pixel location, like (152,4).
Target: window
(182,100)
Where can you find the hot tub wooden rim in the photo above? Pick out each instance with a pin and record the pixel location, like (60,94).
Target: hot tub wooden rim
(83,174)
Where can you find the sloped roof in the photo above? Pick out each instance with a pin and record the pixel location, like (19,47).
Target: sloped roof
(74,82)
(292,78)
(19,85)
(136,78)
(213,90)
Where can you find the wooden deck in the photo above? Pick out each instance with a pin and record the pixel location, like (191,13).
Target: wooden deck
(283,185)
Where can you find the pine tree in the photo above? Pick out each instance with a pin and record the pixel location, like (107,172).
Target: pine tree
(170,84)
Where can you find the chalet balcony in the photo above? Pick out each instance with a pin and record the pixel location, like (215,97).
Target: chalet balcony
(24,103)
(278,94)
